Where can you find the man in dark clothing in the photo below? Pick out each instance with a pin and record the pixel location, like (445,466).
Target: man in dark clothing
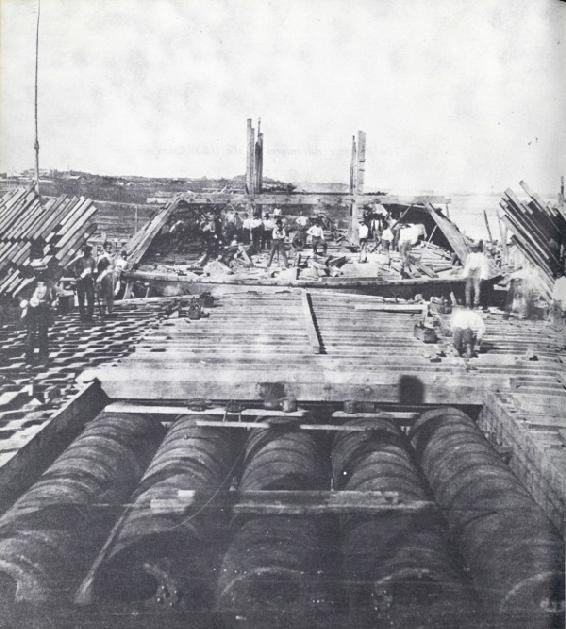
(36,312)
(83,269)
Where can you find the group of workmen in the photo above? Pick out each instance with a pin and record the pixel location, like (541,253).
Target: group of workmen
(97,277)
(232,235)
(94,278)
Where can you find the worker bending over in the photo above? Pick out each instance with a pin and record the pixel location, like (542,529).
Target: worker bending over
(468,329)
(408,237)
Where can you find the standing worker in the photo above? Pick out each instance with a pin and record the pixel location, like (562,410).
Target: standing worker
(387,241)
(317,237)
(256,226)
(119,266)
(268,227)
(36,312)
(83,269)
(278,243)
(476,271)
(105,277)
(363,232)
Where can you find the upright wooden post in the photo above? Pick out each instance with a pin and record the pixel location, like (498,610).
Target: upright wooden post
(259,159)
(359,178)
(250,148)
(353,160)
(361,165)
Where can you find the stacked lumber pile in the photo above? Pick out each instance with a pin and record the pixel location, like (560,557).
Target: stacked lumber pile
(540,231)
(42,231)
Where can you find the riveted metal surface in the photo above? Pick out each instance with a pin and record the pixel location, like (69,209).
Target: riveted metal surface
(400,569)
(170,559)
(73,504)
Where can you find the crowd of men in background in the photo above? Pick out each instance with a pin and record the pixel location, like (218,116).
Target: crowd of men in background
(224,234)
(230,237)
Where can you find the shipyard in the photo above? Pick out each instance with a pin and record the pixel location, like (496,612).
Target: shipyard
(306,389)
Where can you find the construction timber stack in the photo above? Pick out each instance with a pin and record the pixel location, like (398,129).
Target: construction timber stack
(540,230)
(42,231)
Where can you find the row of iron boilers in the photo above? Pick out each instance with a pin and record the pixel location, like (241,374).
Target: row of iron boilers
(487,551)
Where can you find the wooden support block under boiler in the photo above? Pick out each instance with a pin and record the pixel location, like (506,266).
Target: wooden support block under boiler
(383,385)
(178,409)
(282,502)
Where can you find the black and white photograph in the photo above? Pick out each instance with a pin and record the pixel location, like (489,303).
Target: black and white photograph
(282,314)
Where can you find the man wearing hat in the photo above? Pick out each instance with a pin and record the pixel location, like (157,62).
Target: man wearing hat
(278,243)
(83,269)
(36,312)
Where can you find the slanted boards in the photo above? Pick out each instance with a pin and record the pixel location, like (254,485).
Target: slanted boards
(539,229)
(150,232)
(457,240)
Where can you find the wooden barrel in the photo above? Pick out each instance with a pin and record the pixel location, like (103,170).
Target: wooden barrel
(399,567)
(164,552)
(282,458)
(58,525)
(514,554)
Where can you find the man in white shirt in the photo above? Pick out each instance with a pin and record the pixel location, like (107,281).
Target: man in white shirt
(317,237)
(301,220)
(476,271)
(363,232)
(408,238)
(468,329)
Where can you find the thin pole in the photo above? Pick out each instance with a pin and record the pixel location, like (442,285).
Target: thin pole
(36,143)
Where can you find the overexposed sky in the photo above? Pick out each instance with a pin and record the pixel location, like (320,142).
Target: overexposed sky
(453,94)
